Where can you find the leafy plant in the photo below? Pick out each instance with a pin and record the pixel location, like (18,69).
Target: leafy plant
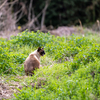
(70,69)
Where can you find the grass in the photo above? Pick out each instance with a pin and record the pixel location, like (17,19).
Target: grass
(70,69)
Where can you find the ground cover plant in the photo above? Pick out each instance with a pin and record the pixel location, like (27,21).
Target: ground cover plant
(70,69)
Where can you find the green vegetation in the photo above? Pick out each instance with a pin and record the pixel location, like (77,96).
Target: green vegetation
(70,69)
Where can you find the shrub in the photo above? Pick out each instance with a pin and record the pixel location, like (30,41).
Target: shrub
(37,39)
(77,48)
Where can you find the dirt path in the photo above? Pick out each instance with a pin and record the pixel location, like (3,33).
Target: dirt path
(9,87)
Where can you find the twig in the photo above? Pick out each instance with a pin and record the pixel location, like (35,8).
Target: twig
(30,6)
(80,22)
(18,12)
(44,13)
(30,15)
(33,20)
(98,25)
(10,4)
(81,26)
(33,16)
(21,15)
(43,16)
(3,4)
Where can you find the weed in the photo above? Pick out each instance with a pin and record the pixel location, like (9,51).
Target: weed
(70,69)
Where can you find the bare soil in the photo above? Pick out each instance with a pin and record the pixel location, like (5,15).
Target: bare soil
(8,88)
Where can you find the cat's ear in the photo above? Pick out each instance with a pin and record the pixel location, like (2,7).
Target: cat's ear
(39,49)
